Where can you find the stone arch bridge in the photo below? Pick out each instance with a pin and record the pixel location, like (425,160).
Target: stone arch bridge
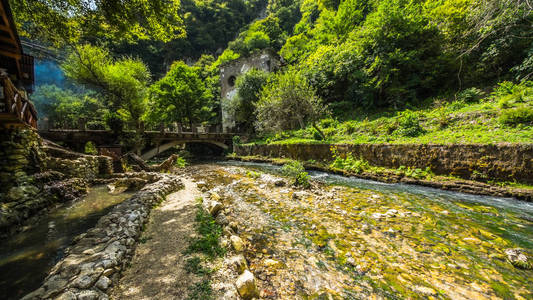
(155,141)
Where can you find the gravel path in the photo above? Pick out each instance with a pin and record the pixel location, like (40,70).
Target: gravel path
(157,268)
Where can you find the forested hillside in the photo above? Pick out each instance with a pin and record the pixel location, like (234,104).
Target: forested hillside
(352,59)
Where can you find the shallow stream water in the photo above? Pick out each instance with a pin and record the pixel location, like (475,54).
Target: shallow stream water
(26,258)
(357,239)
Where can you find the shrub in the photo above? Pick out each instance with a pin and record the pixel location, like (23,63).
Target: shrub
(236,140)
(515,116)
(181,162)
(470,95)
(348,162)
(302,179)
(292,168)
(90,148)
(296,170)
(409,124)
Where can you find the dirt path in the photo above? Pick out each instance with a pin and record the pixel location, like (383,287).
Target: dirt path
(157,268)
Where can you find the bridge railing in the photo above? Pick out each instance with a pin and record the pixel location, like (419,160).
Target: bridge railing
(14,104)
(176,128)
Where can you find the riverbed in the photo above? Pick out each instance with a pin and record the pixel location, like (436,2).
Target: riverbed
(349,238)
(27,257)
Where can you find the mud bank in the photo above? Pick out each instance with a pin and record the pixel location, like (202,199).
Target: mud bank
(502,162)
(94,262)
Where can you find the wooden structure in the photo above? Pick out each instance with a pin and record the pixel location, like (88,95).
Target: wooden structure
(16,74)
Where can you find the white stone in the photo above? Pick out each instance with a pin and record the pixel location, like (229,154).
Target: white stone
(237,243)
(246,285)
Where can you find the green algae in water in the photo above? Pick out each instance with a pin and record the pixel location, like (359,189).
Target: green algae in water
(446,242)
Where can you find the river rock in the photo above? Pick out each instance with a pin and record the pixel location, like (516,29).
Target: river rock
(240,263)
(246,285)
(103,283)
(221,219)
(54,285)
(215,196)
(88,295)
(68,295)
(214,207)
(85,281)
(425,290)
(279,183)
(271,263)
(237,243)
(518,258)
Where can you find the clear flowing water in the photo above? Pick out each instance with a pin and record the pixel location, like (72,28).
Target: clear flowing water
(388,240)
(26,258)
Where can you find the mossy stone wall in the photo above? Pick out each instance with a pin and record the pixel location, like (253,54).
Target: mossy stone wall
(502,162)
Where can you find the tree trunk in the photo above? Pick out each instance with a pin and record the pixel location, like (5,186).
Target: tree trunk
(319,131)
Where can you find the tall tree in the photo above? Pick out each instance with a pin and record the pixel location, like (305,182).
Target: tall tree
(121,82)
(288,102)
(180,96)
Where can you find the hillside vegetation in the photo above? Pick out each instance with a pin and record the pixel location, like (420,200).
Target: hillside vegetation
(399,71)
(504,116)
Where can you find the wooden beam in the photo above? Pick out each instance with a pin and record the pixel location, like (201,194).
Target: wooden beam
(8,53)
(9,41)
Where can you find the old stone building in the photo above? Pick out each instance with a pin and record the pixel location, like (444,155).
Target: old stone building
(266,60)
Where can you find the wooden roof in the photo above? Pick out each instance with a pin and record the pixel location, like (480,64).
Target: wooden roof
(12,56)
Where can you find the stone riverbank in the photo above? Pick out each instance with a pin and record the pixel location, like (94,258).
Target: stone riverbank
(94,261)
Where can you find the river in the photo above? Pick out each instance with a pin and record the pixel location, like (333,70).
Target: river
(349,238)
(345,238)
(27,257)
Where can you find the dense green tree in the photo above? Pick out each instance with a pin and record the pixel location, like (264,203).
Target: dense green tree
(69,21)
(122,83)
(64,107)
(288,102)
(248,86)
(180,96)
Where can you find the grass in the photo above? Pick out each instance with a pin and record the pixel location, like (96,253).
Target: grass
(208,247)
(194,266)
(201,291)
(209,235)
(474,117)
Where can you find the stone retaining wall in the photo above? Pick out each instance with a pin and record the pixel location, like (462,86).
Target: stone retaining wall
(502,162)
(35,176)
(94,262)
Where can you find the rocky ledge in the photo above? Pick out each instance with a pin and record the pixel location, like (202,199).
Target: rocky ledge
(94,261)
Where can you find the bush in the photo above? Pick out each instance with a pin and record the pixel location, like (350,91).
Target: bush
(470,95)
(236,140)
(296,170)
(181,162)
(409,124)
(90,148)
(292,168)
(348,163)
(516,116)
